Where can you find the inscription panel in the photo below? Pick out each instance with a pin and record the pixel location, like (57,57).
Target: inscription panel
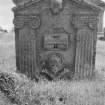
(56,42)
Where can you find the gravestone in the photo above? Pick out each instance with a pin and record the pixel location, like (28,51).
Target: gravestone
(56,39)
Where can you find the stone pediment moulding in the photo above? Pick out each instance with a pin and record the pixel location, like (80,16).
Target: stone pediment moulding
(22,4)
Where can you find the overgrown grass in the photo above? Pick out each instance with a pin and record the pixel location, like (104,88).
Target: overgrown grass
(4,100)
(58,93)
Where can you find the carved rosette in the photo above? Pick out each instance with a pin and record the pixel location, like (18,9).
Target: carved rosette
(32,21)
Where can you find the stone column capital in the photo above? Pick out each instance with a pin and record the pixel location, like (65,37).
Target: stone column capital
(32,21)
(84,20)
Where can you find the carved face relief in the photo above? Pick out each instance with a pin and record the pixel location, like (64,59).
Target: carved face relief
(56,6)
(55,62)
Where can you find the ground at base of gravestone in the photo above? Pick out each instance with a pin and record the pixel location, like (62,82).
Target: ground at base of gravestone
(29,92)
(52,93)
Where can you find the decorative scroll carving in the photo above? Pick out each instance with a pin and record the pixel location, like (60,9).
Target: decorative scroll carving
(33,21)
(19,21)
(92,25)
(85,20)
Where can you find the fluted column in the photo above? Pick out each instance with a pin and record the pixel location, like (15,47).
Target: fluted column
(85,45)
(26,32)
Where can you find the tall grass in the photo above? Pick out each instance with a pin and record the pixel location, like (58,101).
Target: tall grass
(59,92)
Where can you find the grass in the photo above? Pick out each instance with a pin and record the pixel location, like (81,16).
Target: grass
(53,93)
(59,93)
(7,52)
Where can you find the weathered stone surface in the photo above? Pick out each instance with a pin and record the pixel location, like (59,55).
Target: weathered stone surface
(56,38)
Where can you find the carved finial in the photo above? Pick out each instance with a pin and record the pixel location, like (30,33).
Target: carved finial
(56,6)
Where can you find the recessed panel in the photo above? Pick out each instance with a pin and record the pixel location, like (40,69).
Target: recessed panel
(55,42)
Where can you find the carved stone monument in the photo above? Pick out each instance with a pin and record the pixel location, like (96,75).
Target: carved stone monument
(56,39)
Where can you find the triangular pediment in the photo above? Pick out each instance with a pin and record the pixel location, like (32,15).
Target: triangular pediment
(28,3)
